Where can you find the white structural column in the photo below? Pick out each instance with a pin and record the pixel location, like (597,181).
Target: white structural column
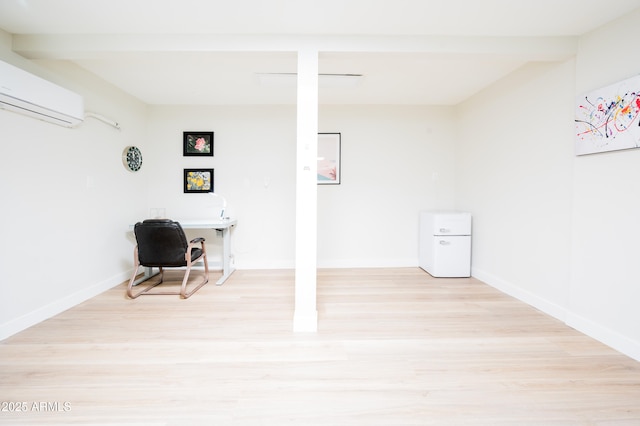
(306,315)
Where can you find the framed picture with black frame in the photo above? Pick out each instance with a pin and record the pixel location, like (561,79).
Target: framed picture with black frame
(198,181)
(197,144)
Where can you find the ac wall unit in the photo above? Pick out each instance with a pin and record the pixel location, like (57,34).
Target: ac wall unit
(28,94)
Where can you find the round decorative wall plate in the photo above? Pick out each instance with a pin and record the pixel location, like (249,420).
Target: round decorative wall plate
(132,158)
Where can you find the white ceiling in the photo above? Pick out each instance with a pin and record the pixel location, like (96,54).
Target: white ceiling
(209,51)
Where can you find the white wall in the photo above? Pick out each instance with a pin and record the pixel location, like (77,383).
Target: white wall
(555,230)
(389,154)
(396,161)
(66,200)
(605,290)
(514,171)
(254,169)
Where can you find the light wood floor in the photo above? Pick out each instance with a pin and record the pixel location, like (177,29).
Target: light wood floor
(394,347)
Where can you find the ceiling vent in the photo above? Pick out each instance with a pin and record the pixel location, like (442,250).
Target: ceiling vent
(289,79)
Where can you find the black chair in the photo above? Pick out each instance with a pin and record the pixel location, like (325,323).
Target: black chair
(162,243)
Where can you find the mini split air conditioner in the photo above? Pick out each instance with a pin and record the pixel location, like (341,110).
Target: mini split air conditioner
(28,94)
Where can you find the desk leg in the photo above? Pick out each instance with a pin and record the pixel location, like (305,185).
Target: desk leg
(148,273)
(227,269)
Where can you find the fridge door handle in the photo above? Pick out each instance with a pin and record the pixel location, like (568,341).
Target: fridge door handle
(444,230)
(444,243)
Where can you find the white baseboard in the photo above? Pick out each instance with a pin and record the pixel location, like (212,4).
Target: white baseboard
(525,296)
(330,263)
(277,264)
(305,321)
(30,319)
(602,334)
(367,263)
(605,335)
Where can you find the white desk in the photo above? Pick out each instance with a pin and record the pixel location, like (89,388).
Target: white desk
(224,227)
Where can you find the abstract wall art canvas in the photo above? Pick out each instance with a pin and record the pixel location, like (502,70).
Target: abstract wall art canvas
(607,119)
(329,158)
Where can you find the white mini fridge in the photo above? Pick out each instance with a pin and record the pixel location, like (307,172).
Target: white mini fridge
(445,243)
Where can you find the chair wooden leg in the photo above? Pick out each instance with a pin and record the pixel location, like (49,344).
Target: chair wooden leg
(130,286)
(133,295)
(183,291)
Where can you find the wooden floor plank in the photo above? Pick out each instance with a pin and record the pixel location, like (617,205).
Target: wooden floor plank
(394,347)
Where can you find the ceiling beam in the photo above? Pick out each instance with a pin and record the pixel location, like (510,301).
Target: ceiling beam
(95,46)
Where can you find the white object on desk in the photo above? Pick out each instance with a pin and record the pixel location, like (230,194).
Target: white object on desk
(224,226)
(224,204)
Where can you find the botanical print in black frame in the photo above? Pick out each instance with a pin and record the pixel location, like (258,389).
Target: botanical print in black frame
(197,144)
(198,180)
